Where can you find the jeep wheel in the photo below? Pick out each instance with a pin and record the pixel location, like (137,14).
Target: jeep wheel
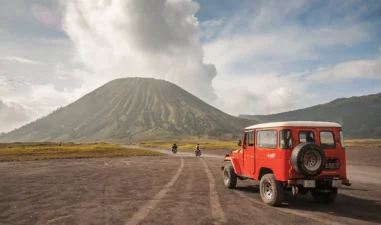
(308,159)
(230,178)
(324,197)
(271,190)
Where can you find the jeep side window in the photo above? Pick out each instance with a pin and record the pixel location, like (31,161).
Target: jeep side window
(327,139)
(267,138)
(285,139)
(306,136)
(251,135)
(249,138)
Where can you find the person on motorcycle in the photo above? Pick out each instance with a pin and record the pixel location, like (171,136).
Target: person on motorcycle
(197,148)
(174,148)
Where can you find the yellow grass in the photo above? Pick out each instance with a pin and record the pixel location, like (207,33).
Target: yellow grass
(211,144)
(186,145)
(39,151)
(374,143)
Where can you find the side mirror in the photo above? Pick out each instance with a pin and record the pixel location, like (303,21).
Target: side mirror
(239,143)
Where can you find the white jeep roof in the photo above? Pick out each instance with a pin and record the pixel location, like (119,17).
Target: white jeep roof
(294,124)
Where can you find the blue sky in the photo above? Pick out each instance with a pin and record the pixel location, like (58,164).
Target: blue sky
(322,33)
(243,57)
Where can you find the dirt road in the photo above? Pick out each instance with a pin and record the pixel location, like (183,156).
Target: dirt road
(172,189)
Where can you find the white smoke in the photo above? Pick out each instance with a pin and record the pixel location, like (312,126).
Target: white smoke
(141,38)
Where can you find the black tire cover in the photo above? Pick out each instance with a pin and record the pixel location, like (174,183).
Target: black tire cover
(297,157)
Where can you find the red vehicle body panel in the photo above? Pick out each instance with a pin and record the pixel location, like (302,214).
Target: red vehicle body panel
(249,160)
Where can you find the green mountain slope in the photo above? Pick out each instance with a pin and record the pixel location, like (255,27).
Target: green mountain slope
(360,116)
(132,109)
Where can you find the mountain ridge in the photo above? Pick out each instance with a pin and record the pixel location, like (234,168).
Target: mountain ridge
(360,116)
(132,109)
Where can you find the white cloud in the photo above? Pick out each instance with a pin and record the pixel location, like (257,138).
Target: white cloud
(254,49)
(210,28)
(119,39)
(348,70)
(284,45)
(160,38)
(19,60)
(14,115)
(261,93)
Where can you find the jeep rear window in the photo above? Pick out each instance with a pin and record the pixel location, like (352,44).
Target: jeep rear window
(327,139)
(267,138)
(285,139)
(306,136)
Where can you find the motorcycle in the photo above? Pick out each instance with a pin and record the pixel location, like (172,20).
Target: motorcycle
(174,150)
(198,153)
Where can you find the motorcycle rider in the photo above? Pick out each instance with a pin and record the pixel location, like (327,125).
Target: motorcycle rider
(174,146)
(197,149)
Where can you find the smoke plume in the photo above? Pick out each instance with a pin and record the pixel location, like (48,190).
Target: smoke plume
(141,38)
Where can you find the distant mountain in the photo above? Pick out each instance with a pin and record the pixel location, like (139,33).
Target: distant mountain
(360,116)
(132,109)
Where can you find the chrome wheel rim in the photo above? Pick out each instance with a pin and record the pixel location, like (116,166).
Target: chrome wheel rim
(312,160)
(267,190)
(226,176)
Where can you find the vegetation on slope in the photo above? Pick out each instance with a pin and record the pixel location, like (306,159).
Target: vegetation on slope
(132,109)
(39,151)
(359,116)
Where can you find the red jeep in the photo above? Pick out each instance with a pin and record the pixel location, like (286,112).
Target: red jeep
(301,156)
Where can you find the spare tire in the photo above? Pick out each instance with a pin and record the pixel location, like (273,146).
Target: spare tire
(308,159)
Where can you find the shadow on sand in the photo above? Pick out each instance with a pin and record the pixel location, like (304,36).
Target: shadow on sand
(344,206)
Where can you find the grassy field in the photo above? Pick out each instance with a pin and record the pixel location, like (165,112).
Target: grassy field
(48,150)
(372,143)
(210,144)
(186,145)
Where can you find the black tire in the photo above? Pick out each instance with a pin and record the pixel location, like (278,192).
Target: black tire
(297,158)
(230,177)
(275,198)
(324,197)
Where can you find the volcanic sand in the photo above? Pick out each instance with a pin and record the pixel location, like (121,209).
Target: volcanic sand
(172,189)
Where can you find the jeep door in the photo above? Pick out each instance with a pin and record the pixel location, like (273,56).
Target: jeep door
(249,153)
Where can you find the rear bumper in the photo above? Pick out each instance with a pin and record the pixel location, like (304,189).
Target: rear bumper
(346,182)
(311,183)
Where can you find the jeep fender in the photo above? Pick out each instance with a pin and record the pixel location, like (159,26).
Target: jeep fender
(263,171)
(235,164)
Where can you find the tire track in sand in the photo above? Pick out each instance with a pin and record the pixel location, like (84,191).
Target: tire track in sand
(105,201)
(217,211)
(321,220)
(147,208)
